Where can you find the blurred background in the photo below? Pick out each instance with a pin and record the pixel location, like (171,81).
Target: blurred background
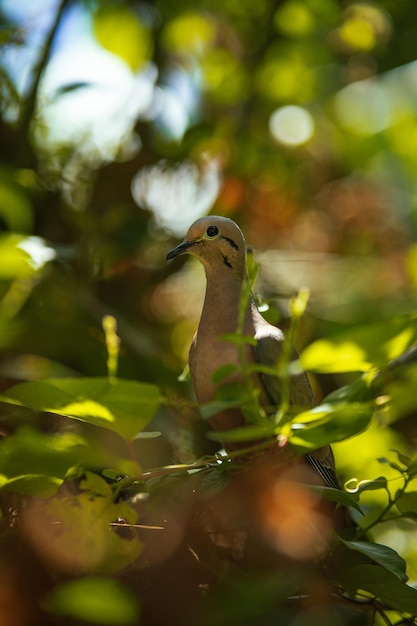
(121,122)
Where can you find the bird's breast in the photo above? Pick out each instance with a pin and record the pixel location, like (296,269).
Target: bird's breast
(205,359)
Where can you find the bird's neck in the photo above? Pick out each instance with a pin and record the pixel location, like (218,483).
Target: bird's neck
(221,306)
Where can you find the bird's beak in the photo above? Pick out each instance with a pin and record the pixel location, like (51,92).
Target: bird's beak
(180,249)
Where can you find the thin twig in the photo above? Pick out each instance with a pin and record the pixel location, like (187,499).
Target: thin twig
(29,106)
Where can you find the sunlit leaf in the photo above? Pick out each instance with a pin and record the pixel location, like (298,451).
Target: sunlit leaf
(95,600)
(224,77)
(294,18)
(125,407)
(357,34)
(362,348)
(14,261)
(329,423)
(286,77)
(190,32)
(119,30)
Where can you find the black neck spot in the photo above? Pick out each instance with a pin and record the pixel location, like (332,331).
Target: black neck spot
(226,261)
(231,242)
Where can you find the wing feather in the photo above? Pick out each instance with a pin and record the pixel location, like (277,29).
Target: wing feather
(268,351)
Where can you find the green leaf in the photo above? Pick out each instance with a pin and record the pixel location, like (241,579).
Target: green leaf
(337,495)
(383,555)
(407,503)
(405,460)
(119,30)
(382,584)
(362,348)
(124,407)
(328,423)
(394,466)
(358,391)
(36,485)
(82,539)
(147,434)
(30,452)
(96,600)
(15,262)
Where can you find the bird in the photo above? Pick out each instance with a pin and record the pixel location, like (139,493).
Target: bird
(219,244)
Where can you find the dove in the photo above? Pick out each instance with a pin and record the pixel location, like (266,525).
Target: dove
(219,244)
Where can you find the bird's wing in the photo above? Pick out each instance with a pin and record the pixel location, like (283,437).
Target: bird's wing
(324,466)
(268,351)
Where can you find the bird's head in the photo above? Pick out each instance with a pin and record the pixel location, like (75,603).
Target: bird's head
(217,242)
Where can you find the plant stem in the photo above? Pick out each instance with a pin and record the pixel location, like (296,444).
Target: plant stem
(133,457)
(29,105)
(381,517)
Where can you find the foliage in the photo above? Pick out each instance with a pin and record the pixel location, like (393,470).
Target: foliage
(120,123)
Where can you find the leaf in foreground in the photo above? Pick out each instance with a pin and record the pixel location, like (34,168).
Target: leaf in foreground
(123,406)
(96,600)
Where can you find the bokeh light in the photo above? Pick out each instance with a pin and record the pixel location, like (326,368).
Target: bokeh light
(291,125)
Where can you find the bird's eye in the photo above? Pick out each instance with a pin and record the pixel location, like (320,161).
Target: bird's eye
(212,231)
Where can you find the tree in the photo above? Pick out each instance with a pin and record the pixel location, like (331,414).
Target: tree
(121,122)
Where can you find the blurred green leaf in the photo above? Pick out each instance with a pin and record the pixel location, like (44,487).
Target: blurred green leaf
(404,459)
(95,600)
(15,262)
(81,538)
(383,585)
(39,486)
(224,77)
(124,407)
(295,19)
(401,402)
(15,206)
(338,496)
(362,348)
(407,503)
(30,452)
(119,30)
(358,391)
(191,32)
(328,423)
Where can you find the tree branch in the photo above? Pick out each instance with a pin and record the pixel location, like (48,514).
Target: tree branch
(28,107)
